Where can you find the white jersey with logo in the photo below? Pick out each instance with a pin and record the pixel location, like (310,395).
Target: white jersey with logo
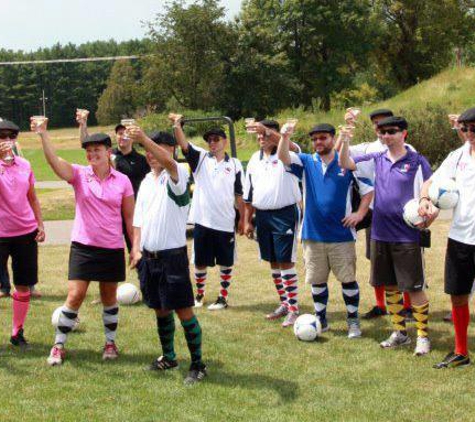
(161,211)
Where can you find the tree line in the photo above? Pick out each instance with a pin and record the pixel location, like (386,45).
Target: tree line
(275,54)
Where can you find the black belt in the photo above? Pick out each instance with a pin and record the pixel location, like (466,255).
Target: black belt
(164,253)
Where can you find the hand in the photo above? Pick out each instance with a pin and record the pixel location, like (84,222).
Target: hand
(40,236)
(352,220)
(134,258)
(249,230)
(428,211)
(175,118)
(5,146)
(453,119)
(256,127)
(81,116)
(241,227)
(39,126)
(346,133)
(136,134)
(351,116)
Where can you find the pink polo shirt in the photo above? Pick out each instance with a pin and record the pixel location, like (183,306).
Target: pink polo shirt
(16,215)
(98,220)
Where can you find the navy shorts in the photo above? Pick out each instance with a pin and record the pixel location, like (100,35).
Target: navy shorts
(459,268)
(213,247)
(277,234)
(24,252)
(165,279)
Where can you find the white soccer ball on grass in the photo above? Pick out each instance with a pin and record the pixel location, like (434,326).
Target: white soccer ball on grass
(307,327)
(444,193)
(128,294)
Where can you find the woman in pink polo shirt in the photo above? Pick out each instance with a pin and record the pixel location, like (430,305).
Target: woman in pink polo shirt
(103,196)
(21,226)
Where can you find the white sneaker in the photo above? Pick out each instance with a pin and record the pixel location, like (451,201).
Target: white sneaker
(422,346)
(396,339)
(56,355)
(220,304)
(199,301)
(354,330)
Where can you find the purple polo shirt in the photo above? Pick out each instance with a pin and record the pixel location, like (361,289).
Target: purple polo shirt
(395,184)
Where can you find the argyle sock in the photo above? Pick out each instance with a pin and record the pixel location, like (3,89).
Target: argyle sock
(66,322)
(395,308)
(351,296)
(290,281)
(166,333)
(193,338)
(225,275)
(421,315)
(320,300)
(276,276)
(200,280)
(110,318)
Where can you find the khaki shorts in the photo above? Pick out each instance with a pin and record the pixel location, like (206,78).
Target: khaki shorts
(322,257)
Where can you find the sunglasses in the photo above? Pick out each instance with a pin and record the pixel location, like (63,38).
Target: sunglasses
(318,138)
(388,131)
(466,129)
(213,139)
(8,135)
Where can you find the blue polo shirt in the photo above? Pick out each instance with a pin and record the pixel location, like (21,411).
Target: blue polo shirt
(395,184)
(327,191)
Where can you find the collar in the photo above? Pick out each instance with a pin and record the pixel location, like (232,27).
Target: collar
(14,162)
(261,154)
(226,156)
(409,155)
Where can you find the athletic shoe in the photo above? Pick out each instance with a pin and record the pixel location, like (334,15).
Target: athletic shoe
(278,313)
(162,364)
(220,304)
(19,340)
(407,313)
(396,339)
(199,301)
(422,346)
(290,319)
(453,360)
(56,356)
(196,374)
(354,330)
(448,317)
(375,312)
(110,352)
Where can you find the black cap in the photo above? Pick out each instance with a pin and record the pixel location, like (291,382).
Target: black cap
(322,128)
(380,112)
(119,127)
(400,122)
(97,138)
(271,124)
(216,132)
(163,138)
(467,116)
(7,125)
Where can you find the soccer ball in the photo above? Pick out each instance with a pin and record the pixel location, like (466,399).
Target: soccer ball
(128,294)
(55,319)
(444,193)
(307,327)
(411,214)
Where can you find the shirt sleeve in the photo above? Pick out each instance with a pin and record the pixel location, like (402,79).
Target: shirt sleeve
(76,174)
(297,164)
(248,188)
(365,185)
(179,187)
(138,211)
(366,157)
(194,156)
(31,178)
(448,168)
(128,189)
(358,149)
(239,181)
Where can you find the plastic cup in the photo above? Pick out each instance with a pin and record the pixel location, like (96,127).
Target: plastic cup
(249,122)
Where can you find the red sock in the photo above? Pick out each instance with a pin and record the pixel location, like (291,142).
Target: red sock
(407,301)
(380,297)
(461,318)
(20,305)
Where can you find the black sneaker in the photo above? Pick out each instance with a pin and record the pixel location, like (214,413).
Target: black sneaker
(19,340)
(163,364)
(196,374)
(375,312)
(220,304)
(453,360)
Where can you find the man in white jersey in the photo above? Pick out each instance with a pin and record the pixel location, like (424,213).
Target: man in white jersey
(160,247)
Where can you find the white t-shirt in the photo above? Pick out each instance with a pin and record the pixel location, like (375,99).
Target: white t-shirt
(161,211)
(459,165)
(216,187)
(269,186)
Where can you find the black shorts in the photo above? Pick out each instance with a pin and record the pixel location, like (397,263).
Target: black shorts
(459,268)
(397,264)
(92,263)
(165,279)
(213,247)
(24,252)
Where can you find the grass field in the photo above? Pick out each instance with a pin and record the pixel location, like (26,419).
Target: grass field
(56,204)
(257,370)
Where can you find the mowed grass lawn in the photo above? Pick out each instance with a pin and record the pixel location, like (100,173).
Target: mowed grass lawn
(258,371)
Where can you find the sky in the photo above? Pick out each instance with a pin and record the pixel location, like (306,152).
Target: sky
(30,24)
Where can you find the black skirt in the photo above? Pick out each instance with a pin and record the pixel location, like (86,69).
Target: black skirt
(91,263)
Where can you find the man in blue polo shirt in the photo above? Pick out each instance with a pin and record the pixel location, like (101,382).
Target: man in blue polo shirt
(328,232)
(396,257)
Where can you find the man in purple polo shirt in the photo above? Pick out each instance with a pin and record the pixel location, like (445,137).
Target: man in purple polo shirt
(396,257)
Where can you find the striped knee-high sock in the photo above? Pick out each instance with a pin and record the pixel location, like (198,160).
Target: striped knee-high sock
(110,317)
(320,300)
(200,281)
(351,296)
(20,305)
(421,315)
(290,281)
(276,276)
(66,322)
(225,276)
(395,307)
(166,333)
(193,338)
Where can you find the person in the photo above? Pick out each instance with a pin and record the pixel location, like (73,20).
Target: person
(125,158)
(396,256)
(160,245)
(219,184)
(328,230)
(21,229)
(274,194)
(103,196)
(460,253)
